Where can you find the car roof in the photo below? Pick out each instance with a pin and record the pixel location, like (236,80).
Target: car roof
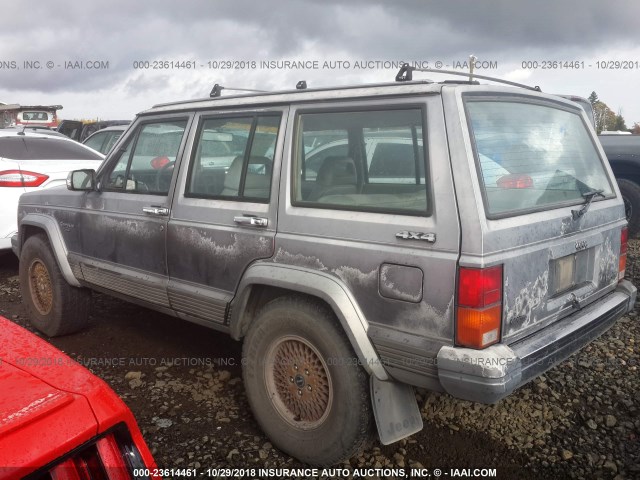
(118,128)
(32,129)
(309,94)
(286,97)
(33,132)
(5,132)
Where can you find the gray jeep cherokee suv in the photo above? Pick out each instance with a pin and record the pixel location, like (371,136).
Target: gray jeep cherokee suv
(360,241)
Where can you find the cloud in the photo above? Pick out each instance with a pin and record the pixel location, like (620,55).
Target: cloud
(123,32)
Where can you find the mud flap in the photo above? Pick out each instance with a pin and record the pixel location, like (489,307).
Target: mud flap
(395,409)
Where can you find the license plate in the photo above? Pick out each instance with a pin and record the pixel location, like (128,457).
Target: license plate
(565,273)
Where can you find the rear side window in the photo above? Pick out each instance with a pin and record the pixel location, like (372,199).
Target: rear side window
(96,141)
(370,160)
(233,159)
(21,147)
(533,157)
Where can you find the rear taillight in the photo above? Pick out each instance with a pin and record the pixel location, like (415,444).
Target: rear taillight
(515,181)
(21,178)
(105,459)
(622,264)
(479,306)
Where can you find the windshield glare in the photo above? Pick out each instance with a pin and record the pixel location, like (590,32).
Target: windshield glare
(533,156)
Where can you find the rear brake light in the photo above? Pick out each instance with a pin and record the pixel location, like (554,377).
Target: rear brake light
(108,458)
(479,306)
(112,458)
(515,181)
(622,264)
(21,178)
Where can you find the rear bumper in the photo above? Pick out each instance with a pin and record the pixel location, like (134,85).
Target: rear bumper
(489,375)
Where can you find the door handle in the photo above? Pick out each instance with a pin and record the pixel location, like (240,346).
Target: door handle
(156,210)
(251,221)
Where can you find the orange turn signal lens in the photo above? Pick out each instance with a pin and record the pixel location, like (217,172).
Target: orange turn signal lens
(478,328)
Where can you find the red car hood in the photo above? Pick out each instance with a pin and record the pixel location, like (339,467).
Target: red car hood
(48,403)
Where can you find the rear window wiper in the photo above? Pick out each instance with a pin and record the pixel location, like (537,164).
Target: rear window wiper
(588,198)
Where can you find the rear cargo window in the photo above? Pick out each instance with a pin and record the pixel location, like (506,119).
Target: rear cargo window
(533,157)
(25,147)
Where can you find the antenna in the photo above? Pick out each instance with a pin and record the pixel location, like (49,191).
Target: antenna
(472,61)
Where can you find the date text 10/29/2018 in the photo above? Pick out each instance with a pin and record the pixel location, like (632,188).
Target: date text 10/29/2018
(318,472)
(580,65)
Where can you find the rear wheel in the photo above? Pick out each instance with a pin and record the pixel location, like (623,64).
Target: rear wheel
(631,196)
(54,307)
(304,384)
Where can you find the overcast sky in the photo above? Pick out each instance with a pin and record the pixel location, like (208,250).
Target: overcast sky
(120,33)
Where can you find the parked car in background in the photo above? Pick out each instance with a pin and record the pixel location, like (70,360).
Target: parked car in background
(103,140)
(34,129)
(623,152)
(32,161)
(47,118)
(60,422)
(79,131)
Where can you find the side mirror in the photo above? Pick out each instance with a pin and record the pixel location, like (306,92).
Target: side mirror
(82,180)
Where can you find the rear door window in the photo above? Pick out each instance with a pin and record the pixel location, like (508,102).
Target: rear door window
(96,141)
(533,157)
(233,158)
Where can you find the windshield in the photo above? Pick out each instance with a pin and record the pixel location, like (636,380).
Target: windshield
(533,156)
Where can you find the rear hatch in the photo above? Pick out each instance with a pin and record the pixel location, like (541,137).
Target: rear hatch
(549,209)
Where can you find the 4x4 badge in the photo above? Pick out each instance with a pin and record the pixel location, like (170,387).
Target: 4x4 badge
(429,237)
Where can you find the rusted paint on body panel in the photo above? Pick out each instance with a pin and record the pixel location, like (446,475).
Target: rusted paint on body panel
(524,309)
(214,257)
(430,317)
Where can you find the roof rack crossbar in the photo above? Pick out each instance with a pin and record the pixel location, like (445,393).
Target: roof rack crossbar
(217,90)
(405,75)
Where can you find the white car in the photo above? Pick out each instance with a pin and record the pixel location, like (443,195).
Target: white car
(31,161)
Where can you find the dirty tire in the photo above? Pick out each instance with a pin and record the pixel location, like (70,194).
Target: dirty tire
(54,307)
(631,195)
(323,416)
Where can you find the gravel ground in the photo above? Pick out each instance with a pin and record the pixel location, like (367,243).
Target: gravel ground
(183,383)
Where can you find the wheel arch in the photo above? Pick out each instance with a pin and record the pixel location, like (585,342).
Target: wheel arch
(263,282)
(35,223)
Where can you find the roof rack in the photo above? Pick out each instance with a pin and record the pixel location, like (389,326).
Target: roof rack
(406,71)
(216,91)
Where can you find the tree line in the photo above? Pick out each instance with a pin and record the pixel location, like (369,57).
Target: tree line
(607,120)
